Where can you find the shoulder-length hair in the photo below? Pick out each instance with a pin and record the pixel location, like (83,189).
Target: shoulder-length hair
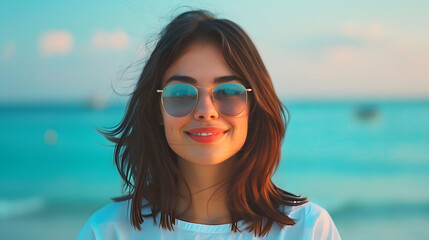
(147,164)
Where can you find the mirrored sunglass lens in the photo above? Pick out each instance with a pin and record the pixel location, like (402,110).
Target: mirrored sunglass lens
(179,99)
(230,98)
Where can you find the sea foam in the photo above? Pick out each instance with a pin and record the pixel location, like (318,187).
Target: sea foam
(20,207)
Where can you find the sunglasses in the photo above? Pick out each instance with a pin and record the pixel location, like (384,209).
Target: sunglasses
(179,100)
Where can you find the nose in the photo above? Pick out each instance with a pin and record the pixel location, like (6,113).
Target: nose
(205,109)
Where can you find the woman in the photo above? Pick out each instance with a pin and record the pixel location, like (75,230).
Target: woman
(199,143)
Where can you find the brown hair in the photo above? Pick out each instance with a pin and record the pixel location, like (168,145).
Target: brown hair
(148,165)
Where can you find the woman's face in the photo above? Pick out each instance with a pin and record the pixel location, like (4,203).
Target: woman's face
(202,64)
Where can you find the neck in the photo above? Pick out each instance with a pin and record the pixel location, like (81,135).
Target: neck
(208,196)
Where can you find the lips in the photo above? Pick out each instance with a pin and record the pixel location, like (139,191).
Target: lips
(206,134)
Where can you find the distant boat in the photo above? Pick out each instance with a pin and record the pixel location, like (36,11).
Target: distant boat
(367,113)
(97,101)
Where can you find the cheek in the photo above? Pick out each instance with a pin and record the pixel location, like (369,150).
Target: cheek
(172,127)
(169,128)
(241,126)
(244,127)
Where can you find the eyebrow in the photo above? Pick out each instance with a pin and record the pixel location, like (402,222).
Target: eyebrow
(192,80)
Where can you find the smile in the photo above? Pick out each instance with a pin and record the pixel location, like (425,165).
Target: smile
(203,134)
(206,135)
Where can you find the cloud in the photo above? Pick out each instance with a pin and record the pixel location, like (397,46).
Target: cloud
(116,40)
(55,43)
(9,50)
(389,64)
(342,54)
(371,32)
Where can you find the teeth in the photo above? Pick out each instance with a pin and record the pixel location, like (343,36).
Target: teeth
(203,134)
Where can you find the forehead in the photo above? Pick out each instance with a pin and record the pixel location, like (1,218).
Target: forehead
(202,62)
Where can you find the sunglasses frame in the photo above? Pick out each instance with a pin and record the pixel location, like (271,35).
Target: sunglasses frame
(198,97)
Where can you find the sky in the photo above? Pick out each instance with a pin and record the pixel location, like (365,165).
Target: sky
(73,51)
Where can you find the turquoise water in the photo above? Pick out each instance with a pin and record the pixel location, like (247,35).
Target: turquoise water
(366,163)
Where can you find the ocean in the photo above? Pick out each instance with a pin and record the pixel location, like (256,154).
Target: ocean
(366,163)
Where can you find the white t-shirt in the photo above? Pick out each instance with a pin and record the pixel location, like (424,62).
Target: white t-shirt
(113,222)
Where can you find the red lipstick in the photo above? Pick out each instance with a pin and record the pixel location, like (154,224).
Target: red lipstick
(206,134)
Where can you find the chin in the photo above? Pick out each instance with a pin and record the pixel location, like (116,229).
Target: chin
(207,159)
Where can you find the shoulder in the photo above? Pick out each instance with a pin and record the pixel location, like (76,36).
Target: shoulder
(312,221)
(111,220)
(314,211)
(307,210)
(113,212)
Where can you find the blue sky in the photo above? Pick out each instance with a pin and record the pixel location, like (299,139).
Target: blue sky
(78,50)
